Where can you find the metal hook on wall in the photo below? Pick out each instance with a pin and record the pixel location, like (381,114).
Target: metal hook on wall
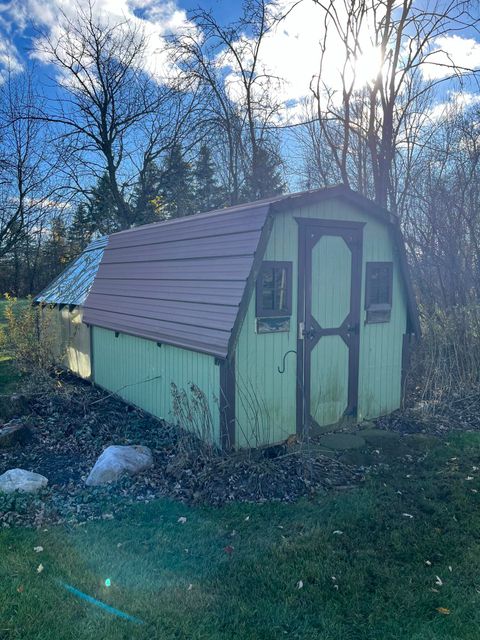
(282,369)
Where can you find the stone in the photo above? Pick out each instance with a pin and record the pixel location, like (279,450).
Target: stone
(21,480)
(116,460)
(14,406)
(13,432)
(341,441)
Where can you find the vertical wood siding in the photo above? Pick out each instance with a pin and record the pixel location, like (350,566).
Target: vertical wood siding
(265,398)
(140,372)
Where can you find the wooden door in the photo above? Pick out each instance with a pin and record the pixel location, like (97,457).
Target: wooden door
(329,289)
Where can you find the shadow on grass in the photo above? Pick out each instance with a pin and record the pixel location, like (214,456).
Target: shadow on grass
(367,559)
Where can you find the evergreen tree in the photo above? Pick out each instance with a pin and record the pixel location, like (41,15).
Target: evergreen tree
(207,193)
(147,201)
(176,185)
(102,211)
(264,179)
(81,230)
(55,252)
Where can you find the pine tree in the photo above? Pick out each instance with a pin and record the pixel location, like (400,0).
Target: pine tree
(80,231)
(55,252)
(101,207)
(265,179)
(207,193)
(176,185)
(147,201)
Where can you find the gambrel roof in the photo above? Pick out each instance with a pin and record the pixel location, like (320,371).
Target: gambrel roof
(186,281)
(73,284)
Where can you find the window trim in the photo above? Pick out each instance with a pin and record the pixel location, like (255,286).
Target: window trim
(373,306)
(260,312)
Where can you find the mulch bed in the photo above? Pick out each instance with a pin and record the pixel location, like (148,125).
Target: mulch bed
(453,413)
(72,422)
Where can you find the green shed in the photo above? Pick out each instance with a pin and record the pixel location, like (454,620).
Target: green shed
(289,315)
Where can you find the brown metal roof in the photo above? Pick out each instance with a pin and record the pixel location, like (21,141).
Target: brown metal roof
(185,281)
(180,281)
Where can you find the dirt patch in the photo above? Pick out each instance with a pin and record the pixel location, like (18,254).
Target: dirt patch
(73,422)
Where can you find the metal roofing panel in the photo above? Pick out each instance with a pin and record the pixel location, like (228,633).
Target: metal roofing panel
(179,281)
(74,283)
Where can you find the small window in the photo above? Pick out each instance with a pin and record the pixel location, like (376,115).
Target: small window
(378,291)
(274,290)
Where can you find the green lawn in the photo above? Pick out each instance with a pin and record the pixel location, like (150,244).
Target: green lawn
(375,580)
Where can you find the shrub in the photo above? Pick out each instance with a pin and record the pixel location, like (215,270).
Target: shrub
(447,359)
(28,336)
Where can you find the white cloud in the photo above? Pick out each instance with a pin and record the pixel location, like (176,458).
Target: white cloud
(457,101)
(156,18)
(448,52)
(10,61)
(292,52)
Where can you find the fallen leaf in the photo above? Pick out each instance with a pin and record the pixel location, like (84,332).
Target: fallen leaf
(407,515)
(20,589)
(428,562)
(182,520)
(300,584)
(40,568)
(444,611)
(229,549)
(38,549)
(450,567)
(469,478)
(190,587)
(338,532)
(438,581)
(247,518)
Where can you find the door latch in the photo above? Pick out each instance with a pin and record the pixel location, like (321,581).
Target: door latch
(301,331)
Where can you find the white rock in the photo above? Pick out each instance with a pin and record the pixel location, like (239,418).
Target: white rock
(21,480)
(116,460)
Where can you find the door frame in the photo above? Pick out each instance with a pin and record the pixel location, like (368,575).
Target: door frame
(352,234)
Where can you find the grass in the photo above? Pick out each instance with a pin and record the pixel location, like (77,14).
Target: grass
(375,580)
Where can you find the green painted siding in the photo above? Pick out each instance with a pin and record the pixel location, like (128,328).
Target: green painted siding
(141,372)
(266,399)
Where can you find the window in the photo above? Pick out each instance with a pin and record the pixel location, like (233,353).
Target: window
(274,290)
(378,291)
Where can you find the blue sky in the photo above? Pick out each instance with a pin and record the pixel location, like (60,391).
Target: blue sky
(291,52)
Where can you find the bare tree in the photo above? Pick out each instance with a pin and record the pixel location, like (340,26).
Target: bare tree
(29,163)
(367,127)
(116,117)
(239,96)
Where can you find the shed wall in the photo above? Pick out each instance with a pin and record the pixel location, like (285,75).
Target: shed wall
(141,372)
(73,339)
(266,399)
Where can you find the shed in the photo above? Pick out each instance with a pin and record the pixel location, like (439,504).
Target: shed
(65,297)
(288,315)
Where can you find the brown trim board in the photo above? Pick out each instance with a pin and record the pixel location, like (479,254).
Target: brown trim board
(227,403)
